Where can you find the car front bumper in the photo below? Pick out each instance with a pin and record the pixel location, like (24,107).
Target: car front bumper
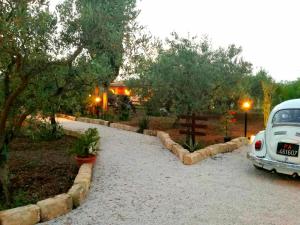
(273,165)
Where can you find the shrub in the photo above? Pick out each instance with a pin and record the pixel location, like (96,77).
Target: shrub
(43,131)
(189,145)
(86,144)
(143,124)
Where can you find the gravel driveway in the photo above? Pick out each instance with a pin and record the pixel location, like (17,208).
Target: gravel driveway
(138,182)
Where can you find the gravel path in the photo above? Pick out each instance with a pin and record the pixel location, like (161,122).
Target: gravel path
(138,182)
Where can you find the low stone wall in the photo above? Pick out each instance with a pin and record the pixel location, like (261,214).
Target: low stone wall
(150,132)
(212,150)
(73,118)
(124,127)
(51,208)
(94,121)
(183,154)
(191,158)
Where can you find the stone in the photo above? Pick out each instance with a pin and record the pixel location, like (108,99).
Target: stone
(72,133)
(242,140)
(55,207)
(238,141)
(93,121)
(26,215)
(59,115)
(78,193)
(181,152)
(150,132)
(231,146)
(223,148)
(194,157)
(175,148)
(168,143)
(124,127)
(84,179)
(213,150)
(162,135)
(206,152)
(86,168)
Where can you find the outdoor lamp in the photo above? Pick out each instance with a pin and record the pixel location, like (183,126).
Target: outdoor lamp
(98,99)
(246,106)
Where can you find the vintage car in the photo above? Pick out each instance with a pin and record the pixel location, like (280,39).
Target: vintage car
(277,147)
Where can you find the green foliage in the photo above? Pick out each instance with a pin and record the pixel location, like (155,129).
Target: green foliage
(152,107)
(50,61)
(123,107)
(227,121)
(189,145)
(286,91)
(19,198)
(108,116)
(4,154)
(43,131)
(190,77)
(143,124)
(87,143)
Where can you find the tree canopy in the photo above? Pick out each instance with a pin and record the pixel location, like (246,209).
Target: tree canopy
(188,76)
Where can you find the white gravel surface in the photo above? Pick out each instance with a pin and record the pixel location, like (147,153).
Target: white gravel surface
(138,182)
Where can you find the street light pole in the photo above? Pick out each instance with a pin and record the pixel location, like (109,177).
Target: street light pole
(245,130)
(246,106)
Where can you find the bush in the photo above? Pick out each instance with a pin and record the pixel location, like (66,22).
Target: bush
(108,116)
(143,124)
(189,145)
(43,131)
(86,144)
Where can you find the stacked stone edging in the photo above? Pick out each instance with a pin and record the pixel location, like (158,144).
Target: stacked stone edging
(73,118)
(212,150)
(94,121)
(183,154)
(124,127)
(56,206)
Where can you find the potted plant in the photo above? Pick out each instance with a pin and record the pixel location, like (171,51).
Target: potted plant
(86,147)
(227,121)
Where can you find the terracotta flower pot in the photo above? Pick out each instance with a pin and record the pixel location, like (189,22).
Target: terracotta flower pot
(87,159)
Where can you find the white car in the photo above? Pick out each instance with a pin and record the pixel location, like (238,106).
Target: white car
(277,147)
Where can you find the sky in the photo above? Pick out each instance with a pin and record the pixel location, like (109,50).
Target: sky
(267,30)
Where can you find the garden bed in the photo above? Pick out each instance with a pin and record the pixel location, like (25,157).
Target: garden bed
(39,170)
(214,133)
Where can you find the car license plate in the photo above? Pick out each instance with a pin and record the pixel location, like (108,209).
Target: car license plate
(287,149)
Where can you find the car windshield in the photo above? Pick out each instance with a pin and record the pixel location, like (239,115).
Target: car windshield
(287,116)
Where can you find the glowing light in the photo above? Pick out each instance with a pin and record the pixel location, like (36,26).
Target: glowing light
(127,92)
(98,99)
(90,95)
(105,101)
(246,105)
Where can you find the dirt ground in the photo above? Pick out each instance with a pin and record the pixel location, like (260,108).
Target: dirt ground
(214,133)
(39,170)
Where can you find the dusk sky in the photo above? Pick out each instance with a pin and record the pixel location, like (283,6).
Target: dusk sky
(267,30)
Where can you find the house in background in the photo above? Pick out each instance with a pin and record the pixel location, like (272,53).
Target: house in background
(99,100)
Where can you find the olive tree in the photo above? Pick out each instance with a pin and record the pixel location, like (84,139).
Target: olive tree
(189,76)
(45,55)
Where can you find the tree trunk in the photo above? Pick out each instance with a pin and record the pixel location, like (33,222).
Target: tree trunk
(53,123)
(4,169)
(4,179)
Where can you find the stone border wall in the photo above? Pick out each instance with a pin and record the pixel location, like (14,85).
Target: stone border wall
(183,154)
(51,208)
(94,121)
